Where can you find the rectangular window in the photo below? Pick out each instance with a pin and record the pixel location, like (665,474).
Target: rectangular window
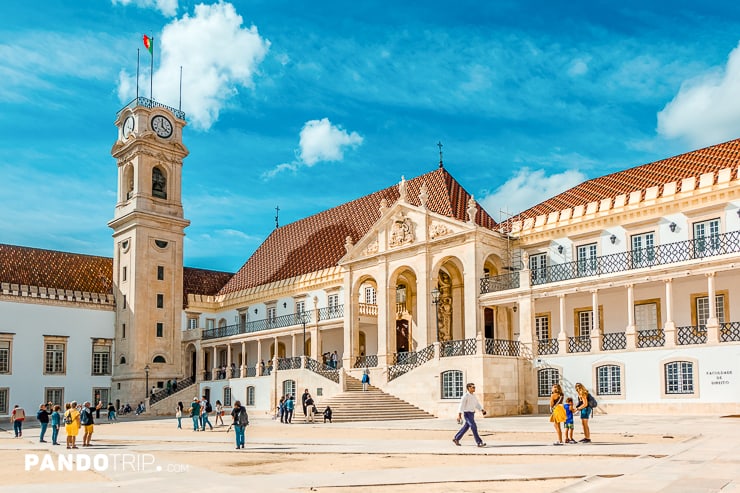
(643,249)
(542,327)
(271,314)
(4,356)
(545,380)
(609,380)
(706,238)
(192,323)
(585,323)
(679,377)
(124,301)
(55,395)
(54,359)
(160,273)
(646,316)
(123,330)
(452,384)
(4,401)
(210,323)
(250,396)
(160,300)
(587,263)
(123,274)
(102,395)
(300,306)
(101,359)
(371,296)
(333,304)
(227,396)
(160,329)
(702,309)
(538,266)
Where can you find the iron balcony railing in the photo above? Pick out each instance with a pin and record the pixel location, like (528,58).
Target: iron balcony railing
(729,331)
(251,326)
(613,341)
(404,362)
(150,103)
(548,346)
(668,253)
(503,347)
(650,338)
(161,394)
(251,371)
(464,347)
(369,361)
(691,334)
(580,344)
(331,312)
(322,369)
(293,363)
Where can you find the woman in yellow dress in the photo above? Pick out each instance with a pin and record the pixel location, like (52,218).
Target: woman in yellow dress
(558,411)
(71,423)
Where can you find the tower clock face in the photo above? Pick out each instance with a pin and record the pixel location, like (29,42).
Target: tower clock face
(128,126)
(162,126)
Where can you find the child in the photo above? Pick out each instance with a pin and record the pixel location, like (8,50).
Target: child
(569,420)
(327,414)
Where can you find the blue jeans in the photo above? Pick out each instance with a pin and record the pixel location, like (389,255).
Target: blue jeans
(196,422)
(44,426)
(54,434)
(179,423)
(18,427)
(469,425)
(239,430)
(204,421)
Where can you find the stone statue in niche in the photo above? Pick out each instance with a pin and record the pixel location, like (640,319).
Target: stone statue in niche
(444,307)
(402,231)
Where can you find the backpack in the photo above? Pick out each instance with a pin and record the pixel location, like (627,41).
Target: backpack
(209,408)
(592,402)
(85,416)
(68,418)
(242,419)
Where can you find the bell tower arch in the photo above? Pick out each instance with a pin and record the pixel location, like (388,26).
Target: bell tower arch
(148,233)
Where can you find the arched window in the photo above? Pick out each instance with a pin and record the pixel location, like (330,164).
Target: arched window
(227,396)
(289,387)
(608,380)
(679,377)
(452,384)
(546,377)
(250,396)
(159,183)
(222,323)
(123,360)
(159,359)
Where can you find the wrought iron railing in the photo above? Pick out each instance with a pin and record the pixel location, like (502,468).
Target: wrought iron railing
(150,103)
(235,372)
(510,280)
(729,331)
(406,361)
(580,344)
(613,341)
(369,361)
(207,375)
(331,312)
(650,338)
(322,369)
(288,320)
(503,347)
(463,347)
(293,363)
(251,371)
(547,346)
(668,253)
(691,334)
(181,385)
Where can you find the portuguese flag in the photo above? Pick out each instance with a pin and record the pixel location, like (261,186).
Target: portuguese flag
(149,44)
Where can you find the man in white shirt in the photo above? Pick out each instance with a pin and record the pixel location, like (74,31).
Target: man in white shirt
(468,404)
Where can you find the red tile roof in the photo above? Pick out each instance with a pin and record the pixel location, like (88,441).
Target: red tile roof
(317,242)
(86,273)
(673,169)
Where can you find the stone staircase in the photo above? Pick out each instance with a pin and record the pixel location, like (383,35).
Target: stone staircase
(356,405)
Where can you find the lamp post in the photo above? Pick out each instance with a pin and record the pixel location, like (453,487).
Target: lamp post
(146,371)
(435,302)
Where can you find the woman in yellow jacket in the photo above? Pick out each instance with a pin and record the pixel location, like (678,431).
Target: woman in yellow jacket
(71,423)
(558,411)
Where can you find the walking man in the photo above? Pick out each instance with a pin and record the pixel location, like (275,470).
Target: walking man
(468,405)
(303,402)
(17,417)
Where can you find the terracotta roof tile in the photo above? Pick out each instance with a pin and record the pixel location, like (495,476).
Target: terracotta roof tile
(317,242)
(202,281)
(658,173)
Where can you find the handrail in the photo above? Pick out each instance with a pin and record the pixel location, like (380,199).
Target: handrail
(251,326)
(150,103)
(404,362)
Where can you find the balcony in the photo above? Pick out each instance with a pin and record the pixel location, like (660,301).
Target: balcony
(669,253)
(259,325)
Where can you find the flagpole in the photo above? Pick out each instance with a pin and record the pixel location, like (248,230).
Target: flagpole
(179,105)
(151,75)
(137,74)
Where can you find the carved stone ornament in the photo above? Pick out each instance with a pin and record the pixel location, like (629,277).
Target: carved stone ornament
(472,209)
(438,229)
(424,195)
(402,189)
(383,206)
(402,231)
(348,244)
(371,249)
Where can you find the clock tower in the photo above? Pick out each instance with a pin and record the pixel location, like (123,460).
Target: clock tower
(148,233)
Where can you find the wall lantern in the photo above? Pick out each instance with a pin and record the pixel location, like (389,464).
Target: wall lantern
(560,248)
(613,239)
(673,227)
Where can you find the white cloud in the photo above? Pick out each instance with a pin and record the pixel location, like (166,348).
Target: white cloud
(218,57)
(167,7)
(706,109)
(528,188)
(322,141)
(578,67)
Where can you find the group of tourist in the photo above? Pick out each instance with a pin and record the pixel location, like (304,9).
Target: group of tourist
(562,411)
(75,417)
(199,411)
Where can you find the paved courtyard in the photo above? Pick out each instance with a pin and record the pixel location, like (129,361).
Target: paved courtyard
(628,453)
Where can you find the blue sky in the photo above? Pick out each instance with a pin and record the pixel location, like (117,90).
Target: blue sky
(308,105)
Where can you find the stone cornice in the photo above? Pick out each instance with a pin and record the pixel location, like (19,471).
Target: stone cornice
(60,297)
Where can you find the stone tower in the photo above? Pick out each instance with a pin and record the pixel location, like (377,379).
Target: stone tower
(148,234)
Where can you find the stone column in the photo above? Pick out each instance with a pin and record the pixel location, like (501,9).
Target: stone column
(349,344)
(216,368)
(259,357)
(562,335)
(712,321)
(292,346)
(597,329)
(670,326)
(243,366)
(384,313)
(228,360)
(630,332)
(526,322)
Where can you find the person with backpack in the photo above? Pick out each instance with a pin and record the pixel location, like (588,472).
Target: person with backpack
(365,380)
(289,407)
(71,423)
(87,421)
(241,421)
(17,417)
(585,405)
(205,408)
